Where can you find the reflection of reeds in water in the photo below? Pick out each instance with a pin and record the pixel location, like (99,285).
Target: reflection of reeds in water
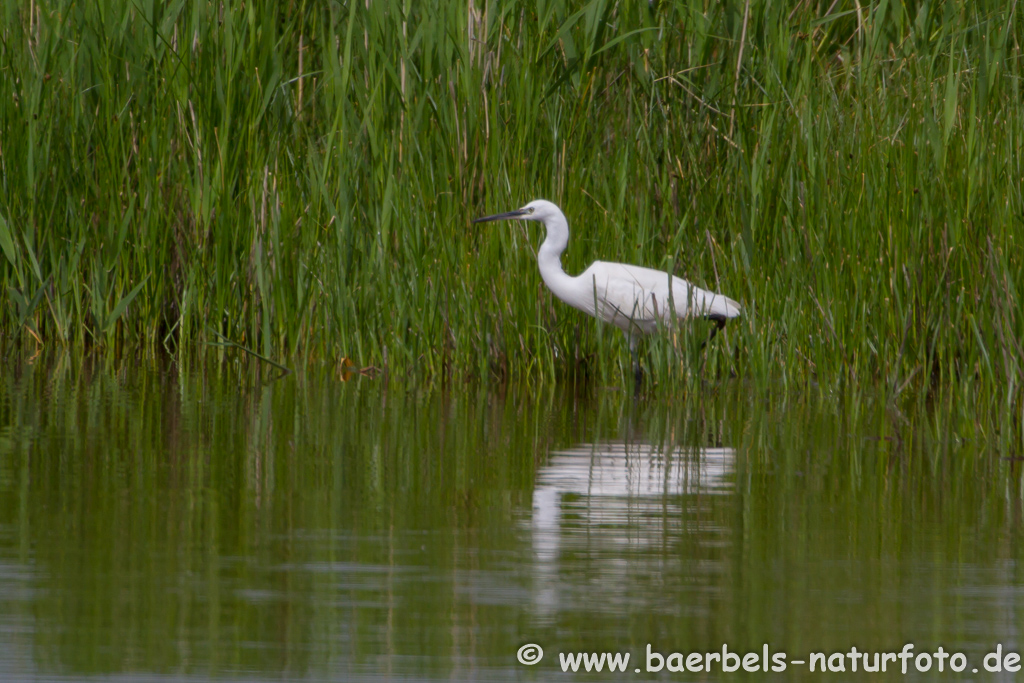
(610,500)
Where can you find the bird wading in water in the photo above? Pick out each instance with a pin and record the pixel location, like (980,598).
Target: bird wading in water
(636,300)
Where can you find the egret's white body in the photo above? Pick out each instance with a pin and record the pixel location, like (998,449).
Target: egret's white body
(634,299)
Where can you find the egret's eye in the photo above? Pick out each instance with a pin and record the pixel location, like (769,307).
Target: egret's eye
(529,209)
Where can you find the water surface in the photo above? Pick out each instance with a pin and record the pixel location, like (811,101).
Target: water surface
(198,523)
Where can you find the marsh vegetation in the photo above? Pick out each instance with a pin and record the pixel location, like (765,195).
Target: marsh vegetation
(300,179)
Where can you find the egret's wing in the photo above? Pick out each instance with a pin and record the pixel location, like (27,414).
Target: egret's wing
(643,296)
(618,297)
(626,304)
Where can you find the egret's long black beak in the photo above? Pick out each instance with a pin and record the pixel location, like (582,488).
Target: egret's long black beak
(518,213)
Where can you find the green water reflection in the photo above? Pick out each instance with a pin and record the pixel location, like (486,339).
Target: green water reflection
(196,523)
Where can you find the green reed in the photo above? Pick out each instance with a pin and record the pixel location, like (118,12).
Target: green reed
(301,181)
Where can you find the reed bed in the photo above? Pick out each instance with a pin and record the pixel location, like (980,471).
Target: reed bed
(300,179)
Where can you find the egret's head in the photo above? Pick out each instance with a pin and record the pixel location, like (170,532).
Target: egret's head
(537,210)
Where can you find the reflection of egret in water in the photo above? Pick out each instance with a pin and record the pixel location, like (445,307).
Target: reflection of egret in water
(617,507)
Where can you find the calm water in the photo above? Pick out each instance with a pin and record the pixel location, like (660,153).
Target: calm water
(168,523)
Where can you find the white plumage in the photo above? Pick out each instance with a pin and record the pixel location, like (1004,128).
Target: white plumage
(634,299)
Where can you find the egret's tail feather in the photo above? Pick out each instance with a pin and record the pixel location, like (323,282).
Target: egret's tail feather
(723,308)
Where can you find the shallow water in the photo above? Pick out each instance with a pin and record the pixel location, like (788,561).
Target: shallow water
(168,523)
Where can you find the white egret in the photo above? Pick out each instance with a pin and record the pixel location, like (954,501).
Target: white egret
(636,300)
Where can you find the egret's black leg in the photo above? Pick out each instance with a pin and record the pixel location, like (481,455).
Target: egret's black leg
(638,373)
(719,324)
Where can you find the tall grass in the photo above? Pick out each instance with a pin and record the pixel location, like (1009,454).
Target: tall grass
(300,179)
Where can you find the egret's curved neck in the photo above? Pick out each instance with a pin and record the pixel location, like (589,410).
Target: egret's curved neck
(550,254)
